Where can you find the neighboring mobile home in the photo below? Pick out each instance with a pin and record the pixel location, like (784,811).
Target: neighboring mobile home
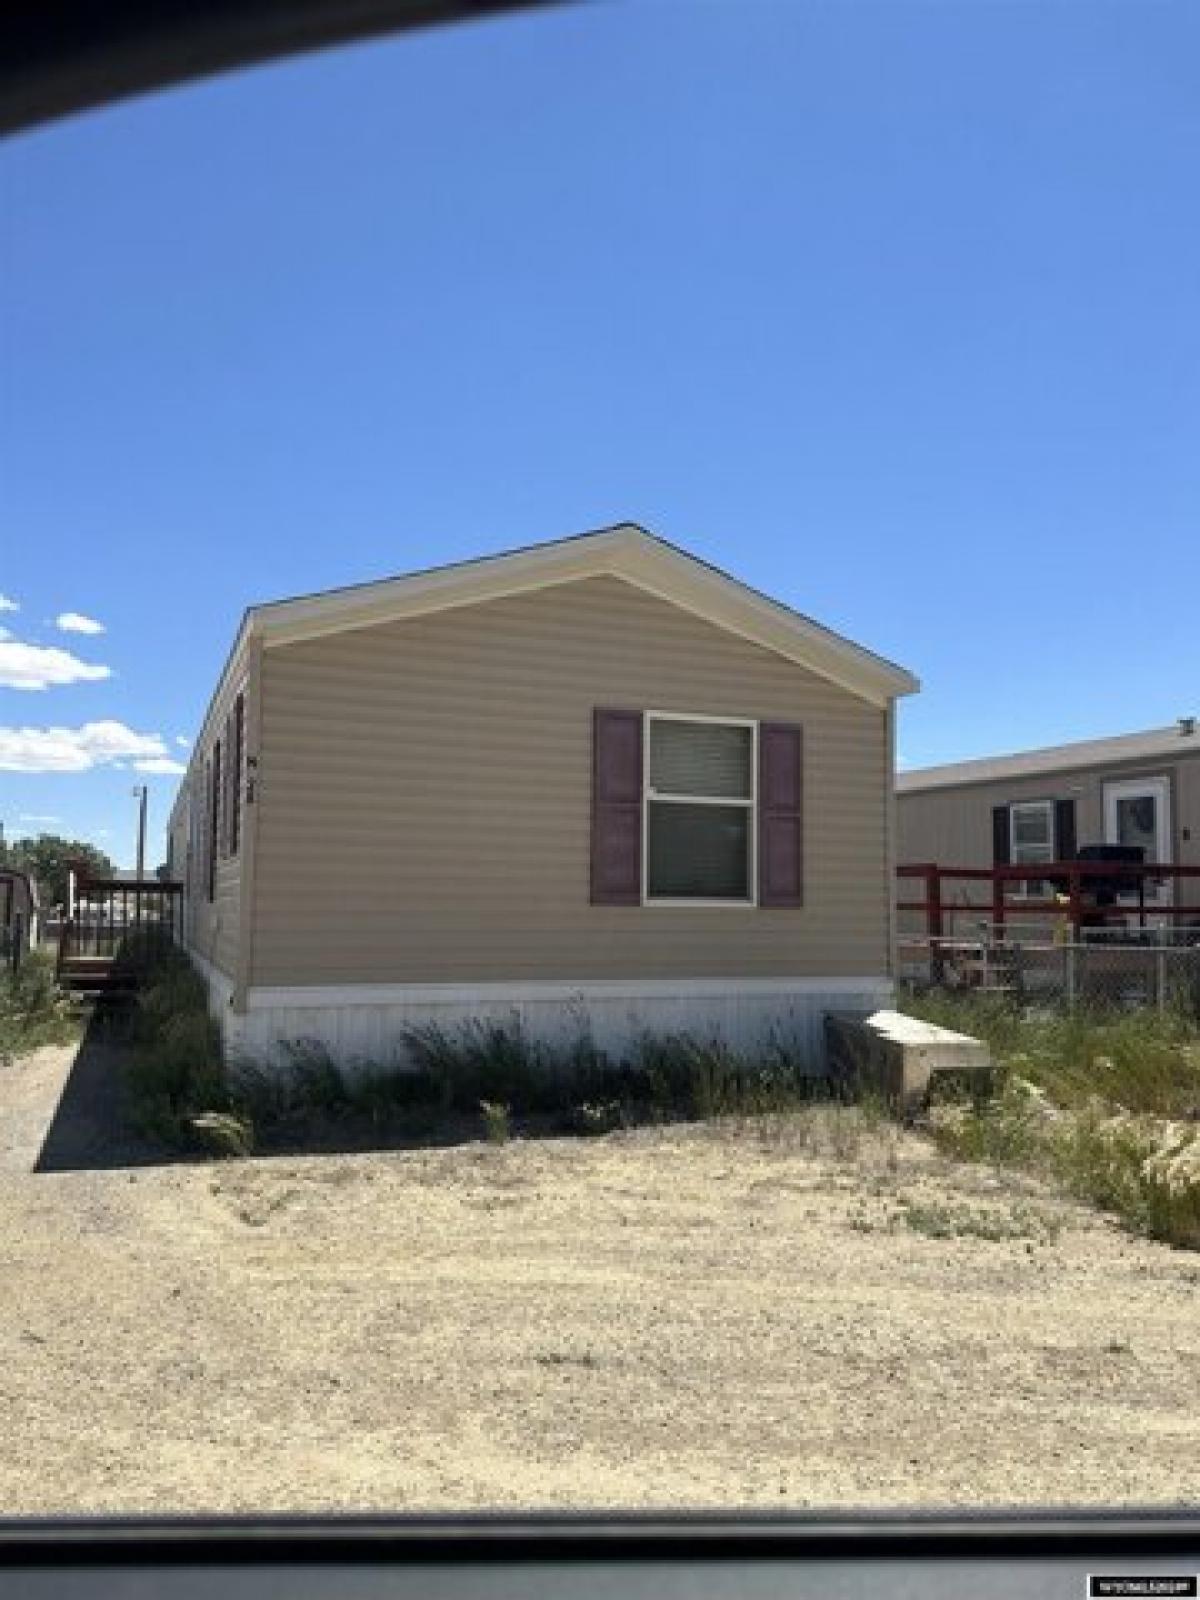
(592,782)
(1041,805)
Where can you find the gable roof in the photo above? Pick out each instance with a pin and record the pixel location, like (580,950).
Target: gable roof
(625,551)
(1153,744)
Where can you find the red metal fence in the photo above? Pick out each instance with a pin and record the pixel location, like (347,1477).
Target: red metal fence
(1076,905)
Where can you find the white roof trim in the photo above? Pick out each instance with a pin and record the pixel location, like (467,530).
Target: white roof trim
(626,552)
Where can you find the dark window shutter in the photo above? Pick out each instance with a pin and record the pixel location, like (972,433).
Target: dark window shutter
(780,814)
(227,791)
(236,759)
(1064,830)
(1001,847)
(616,808)
(214,818)
(203,807)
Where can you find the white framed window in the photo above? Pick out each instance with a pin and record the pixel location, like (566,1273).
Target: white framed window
(1031,842)
(699,810)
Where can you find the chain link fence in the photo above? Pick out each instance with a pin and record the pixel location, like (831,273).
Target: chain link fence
(1112,970)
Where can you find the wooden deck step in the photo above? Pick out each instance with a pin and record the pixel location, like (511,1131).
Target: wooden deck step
(79,974)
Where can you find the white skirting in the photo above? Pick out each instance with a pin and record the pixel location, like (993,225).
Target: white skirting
(364,1023)
(220,987)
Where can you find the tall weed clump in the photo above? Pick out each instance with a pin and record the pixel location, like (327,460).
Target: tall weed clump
(486,1075)
(1107,1104)
(175,1072)
(1142,1061)
(33,1010)
(681,1075)
(662,1076)
(497,1061)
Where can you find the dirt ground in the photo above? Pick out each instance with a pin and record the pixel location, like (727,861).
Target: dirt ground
(722,1316)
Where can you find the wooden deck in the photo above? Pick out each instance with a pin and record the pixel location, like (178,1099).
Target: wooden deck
(117,923)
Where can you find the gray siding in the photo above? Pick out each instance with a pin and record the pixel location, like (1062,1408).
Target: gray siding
(953,825)
(424,803)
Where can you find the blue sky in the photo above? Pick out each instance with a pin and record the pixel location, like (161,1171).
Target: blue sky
(893,310)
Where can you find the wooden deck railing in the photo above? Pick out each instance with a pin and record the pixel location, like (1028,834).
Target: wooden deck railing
(111,913)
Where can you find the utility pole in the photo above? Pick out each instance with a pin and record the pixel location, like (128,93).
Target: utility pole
(139,794)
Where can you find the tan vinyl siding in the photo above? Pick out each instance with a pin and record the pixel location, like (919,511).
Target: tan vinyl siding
(177,835)
(425,799)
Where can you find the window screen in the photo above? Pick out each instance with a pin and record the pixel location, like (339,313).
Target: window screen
(700,758)
(699,812)
(1032,830)
(1137,823)
(698,852)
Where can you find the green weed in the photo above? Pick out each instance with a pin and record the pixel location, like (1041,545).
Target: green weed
(33,1012)
(1145,1061)
(496,1122)
(1104,1103)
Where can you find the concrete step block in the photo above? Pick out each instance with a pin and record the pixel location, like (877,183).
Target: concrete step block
(897,1056)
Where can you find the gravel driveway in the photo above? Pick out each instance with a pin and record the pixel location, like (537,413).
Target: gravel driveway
(702,1316)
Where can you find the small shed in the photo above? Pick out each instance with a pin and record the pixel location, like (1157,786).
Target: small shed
(19,914)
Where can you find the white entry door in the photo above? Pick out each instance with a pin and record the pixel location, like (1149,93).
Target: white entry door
(1138,811)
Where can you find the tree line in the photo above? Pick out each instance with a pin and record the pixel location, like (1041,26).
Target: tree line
(47,858)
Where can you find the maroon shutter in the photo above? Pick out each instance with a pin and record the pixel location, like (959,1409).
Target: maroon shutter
(227,791)
(214,818)
(237,751)
(780,819)
(616,808)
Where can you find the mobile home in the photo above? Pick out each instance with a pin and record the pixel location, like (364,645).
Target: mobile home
(1138,789)
(595,783)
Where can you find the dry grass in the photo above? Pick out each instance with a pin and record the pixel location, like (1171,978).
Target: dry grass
(1107,1105)
(794,1309)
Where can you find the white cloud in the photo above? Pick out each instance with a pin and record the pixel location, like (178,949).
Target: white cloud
(4,634)
(76,622)
(95,744)
(163,764)
(8,605)
(183,742)
(35,666)
(33,816)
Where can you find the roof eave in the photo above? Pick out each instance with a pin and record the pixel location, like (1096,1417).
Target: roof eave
(628,553)
(919,782)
